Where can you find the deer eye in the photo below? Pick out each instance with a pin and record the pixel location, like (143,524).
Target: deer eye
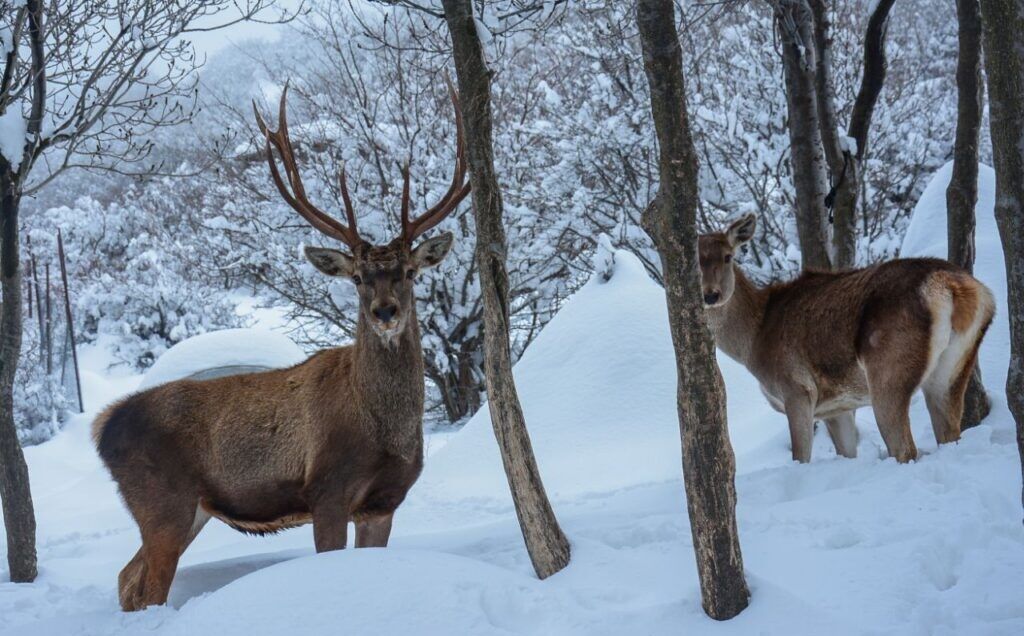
(411,274)
(357,279)
(728,257)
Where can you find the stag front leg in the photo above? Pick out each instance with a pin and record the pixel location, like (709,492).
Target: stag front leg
(330,525)
(799,406)
(374,532)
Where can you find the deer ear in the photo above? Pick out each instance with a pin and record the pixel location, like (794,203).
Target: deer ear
(432,251)
(330,262)
(741,230)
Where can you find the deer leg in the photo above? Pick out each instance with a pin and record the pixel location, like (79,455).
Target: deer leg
(843,431)
(330,526)
(944,395)
(800,413)
(373,532)
(146,580)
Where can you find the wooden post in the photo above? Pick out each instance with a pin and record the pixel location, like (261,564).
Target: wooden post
(67,313)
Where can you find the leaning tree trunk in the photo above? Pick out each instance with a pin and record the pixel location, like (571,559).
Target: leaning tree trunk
(547,545)
(709,467)
(19,516)
(806,156)
(1003,37)
(962,193)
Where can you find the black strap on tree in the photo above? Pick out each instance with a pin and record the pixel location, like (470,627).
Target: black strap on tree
(830,198)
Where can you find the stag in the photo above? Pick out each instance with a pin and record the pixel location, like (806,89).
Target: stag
(827,343)
(337,438)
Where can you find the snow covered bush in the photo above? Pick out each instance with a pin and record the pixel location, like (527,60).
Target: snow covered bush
(136,271)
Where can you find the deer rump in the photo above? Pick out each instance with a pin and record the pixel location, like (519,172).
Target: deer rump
(922,315)
(246,449)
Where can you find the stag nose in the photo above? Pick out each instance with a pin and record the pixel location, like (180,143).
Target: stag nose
(385,313)
(711,298)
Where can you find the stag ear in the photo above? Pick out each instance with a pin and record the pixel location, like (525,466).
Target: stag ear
(741,230)
(432,251)
(330,262)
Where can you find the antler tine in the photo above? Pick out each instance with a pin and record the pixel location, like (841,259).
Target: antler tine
(296,195)
(458,189)
(406,225)
(350,212)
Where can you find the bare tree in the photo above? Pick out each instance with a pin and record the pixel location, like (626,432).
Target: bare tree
(806,31)
(962,193)
(709,466)
(99,77)
(549,549)
(1003,38)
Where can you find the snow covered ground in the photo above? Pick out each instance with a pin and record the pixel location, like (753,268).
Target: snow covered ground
(838,546)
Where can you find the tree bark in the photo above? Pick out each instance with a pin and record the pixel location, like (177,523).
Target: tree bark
(962,193)
(1003,38)
(806,154)
(709,467)
(19,515)
(547,545)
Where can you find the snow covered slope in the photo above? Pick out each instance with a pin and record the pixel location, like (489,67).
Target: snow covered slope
(838,546)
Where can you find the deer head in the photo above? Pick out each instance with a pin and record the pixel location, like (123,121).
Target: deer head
(383,274)
(718,281)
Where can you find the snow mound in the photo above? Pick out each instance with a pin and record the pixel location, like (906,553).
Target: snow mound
(223,353)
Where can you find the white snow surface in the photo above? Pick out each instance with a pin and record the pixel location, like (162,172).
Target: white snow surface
(838,546)
(224,348)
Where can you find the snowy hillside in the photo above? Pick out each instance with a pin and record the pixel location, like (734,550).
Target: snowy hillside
(835,547)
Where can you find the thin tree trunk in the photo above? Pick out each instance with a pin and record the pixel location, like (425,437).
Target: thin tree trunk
(1003,37)
(709,467)
(962,193)
(547,545)
(841,158)
(806,155)
(19,516)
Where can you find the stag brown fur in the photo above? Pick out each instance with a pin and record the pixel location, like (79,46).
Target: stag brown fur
(336,438)
(826,343)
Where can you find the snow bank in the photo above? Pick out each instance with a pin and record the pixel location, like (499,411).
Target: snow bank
(221,353)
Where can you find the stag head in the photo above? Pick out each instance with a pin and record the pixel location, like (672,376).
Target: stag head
(383,274)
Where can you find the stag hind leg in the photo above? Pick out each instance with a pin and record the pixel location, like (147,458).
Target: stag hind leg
(168,526)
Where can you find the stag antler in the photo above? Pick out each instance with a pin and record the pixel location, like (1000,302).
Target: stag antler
(457,191)
(296,196)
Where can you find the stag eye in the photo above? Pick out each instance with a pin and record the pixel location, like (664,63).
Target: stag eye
(358,280)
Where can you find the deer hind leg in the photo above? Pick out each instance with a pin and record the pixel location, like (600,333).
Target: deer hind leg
(166,532)
(843,431)
(891,389)
(944,390)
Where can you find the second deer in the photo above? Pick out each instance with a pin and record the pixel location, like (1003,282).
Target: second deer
(827,343)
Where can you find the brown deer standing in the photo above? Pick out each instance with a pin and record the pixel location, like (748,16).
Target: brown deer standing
(336,438)
(826,344)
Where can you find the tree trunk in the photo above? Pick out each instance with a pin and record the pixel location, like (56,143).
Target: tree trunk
(459,384)
(1003,37)
(806,156)
(841,158)
(962,193)
(709,467)
(19,516)
(547,545)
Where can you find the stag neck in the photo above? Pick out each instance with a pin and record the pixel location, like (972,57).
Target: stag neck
(736,323)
